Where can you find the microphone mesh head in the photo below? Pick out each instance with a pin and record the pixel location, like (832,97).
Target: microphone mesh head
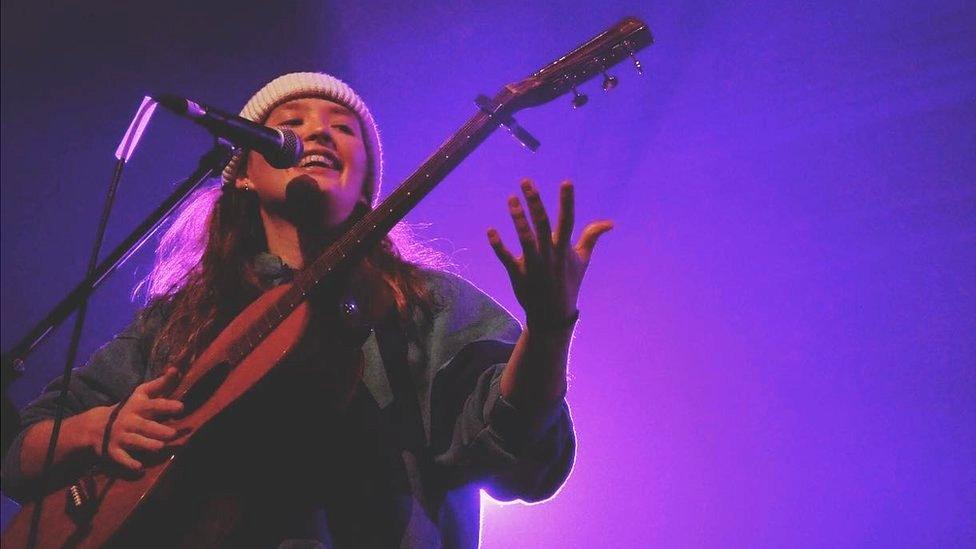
(290,152)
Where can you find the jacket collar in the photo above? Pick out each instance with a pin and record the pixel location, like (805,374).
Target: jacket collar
(272,270)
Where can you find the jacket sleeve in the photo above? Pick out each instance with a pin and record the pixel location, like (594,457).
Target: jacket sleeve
(475,432)
(111,374)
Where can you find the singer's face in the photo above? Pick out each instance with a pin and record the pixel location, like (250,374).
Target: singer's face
(335,156)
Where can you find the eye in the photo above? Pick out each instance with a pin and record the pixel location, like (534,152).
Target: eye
(344,128)
(291,122)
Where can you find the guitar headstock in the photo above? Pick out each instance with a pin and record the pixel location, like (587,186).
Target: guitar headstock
(595,57)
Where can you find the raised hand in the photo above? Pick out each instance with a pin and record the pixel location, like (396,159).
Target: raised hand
(547,276)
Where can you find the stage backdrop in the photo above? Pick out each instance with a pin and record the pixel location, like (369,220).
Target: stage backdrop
(776,342)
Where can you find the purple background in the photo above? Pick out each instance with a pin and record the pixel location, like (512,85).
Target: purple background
(776,345)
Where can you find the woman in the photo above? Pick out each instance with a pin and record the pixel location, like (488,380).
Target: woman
(387,445)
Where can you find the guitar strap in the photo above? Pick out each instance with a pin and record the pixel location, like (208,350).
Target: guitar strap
(402,417)
(372,493)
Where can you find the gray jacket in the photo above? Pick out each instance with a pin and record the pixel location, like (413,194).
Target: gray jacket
(473,438)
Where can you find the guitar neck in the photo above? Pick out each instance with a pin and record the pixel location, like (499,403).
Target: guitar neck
(557,78)
(379,221)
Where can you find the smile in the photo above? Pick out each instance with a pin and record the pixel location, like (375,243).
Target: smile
(315,168)
(325,161)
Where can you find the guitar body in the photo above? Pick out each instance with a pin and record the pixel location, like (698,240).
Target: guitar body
(118,498)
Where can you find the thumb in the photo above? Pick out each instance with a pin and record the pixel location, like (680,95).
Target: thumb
(590,235)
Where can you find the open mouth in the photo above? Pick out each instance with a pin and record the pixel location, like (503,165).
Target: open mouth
(321,159)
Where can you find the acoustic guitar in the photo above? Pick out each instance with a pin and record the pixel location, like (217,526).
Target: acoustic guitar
(92,511)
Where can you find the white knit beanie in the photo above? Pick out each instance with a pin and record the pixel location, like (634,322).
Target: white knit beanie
(313,84)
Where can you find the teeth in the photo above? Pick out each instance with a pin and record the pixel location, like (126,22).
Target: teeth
(321,159)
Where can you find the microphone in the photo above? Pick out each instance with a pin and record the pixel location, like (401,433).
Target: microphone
(281,148)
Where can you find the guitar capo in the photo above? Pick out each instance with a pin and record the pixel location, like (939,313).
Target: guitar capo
(518,132)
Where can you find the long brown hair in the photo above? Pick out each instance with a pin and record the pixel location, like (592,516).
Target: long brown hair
(205,275)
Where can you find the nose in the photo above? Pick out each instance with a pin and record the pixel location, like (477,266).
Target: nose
(319,133)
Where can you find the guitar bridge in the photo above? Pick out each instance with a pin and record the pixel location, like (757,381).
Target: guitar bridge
(80,502)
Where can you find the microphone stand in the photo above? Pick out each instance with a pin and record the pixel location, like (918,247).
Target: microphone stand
(210,165)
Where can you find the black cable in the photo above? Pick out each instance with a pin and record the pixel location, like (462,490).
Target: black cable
(210,165)
(73,353)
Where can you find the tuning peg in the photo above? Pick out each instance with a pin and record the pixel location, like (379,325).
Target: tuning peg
(579,99)
(637,63)
(609,81)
